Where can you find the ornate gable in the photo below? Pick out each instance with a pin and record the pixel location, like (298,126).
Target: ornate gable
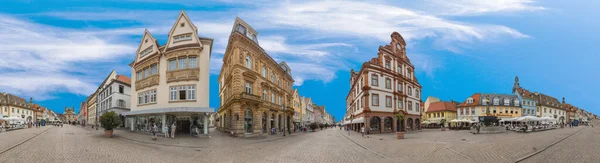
(183,33)
(148,46)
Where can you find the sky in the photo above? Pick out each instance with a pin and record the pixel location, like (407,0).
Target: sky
(58,52)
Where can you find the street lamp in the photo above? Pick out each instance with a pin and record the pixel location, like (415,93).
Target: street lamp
(284,117)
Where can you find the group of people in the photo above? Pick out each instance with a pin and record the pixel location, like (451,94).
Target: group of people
(169,134)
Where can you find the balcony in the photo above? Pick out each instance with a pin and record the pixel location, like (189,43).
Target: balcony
(183,75)
(147,82)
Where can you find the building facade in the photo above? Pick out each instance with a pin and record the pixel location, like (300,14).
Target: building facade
(91,106)
(115,96)
(307,111)
(528,99)
(502,106)
(318,114)
(255,90)
(15,106)
(385,86)
(548,106)
(439,110)
(84,113)
(297,105)
(69,115)
(171,82)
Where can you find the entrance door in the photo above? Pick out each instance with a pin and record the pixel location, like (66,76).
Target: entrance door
(183,126)
(248,121)
(264,122)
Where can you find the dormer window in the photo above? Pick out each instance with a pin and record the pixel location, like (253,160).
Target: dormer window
(516,102)
(146,51)
(183,37)
(241,29)
(496,101)
(506,102)
(469,101)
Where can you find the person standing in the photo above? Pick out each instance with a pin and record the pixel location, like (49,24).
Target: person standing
(168,132)
(173,129)
(164,129)
(154,130)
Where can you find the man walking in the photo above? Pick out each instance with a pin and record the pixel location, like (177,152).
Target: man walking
(154,130)
(362,131)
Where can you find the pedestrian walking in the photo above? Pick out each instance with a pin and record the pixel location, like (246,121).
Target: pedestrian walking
(154,130)
(168,132)
(173,130)
(362,131)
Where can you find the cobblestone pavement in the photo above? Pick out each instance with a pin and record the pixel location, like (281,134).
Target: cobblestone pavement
(77,144)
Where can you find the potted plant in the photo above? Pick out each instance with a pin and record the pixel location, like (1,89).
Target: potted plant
(400,134)
(442,123)
(109,121)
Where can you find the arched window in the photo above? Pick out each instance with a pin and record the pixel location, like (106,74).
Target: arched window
(387,123)
(375,123)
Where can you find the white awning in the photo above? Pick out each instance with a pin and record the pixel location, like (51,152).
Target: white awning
(358,120)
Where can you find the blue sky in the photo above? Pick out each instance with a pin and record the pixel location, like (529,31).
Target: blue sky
(58,52)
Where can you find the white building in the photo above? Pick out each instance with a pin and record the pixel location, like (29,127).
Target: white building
(171,82)
(308,113)
(15,106)
(549,106)
(114,95)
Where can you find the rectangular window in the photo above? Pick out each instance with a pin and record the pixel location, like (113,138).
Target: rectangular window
(388,101)
(410,105)
(248,88)
(375,99)
(172,64)
(154,69)
(399,88)
(173,93)
(153,96)
(181,64)
(374,80)
(139,75)
(409,92)
(388,83)
(182,93)
(400,104)
(264,72)
(272,97)
(387,65)
(121,89)
(473,111)
(146,72)
(146,97)
(191,92)
(140,98)
(265,95)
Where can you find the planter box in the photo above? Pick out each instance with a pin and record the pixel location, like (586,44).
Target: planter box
(108,133)
(400,135)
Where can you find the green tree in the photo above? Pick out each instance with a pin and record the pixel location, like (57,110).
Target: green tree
(110,120)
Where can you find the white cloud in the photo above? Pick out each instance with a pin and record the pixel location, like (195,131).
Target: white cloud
(38,60)
(315,33)
(479,7)
(427,64)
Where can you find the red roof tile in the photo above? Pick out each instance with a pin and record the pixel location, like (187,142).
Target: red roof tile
(441,106)
(124,79)
(476,100)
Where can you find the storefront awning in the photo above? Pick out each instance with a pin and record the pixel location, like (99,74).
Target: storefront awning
(358,120)
(170,110)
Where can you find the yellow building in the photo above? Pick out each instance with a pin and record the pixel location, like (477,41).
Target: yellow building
(297,105)
(440,110)
(500,105)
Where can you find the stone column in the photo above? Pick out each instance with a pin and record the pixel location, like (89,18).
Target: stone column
(164,122)
(381,124)
(205,125)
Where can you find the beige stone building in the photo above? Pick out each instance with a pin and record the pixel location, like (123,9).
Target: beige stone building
(91,106)
(385,86)
(255,90)
(297,105)
(170,82)
(70,115)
